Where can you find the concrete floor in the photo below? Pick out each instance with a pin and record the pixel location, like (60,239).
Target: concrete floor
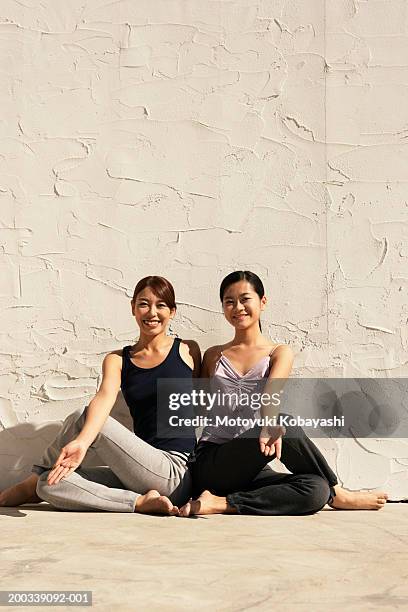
(328,561)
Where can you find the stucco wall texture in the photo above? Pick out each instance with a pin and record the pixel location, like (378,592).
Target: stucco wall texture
(188,139)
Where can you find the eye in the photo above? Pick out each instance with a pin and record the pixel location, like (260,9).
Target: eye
(162,306)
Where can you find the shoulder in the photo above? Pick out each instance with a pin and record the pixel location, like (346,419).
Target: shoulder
(113,359)
(190,345)
(112,366)
(115,355)
(212,354)
(281,351)
(191,354)
(213,351)
(190,350)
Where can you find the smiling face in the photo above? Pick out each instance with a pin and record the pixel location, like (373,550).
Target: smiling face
(242,306)
(152,314)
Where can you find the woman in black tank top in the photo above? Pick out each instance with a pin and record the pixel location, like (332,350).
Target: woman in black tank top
(146,472)
(139,388)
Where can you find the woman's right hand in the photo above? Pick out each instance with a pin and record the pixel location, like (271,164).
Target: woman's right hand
(71,456)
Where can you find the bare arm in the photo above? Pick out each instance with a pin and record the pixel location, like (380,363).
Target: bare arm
(281,365)
(210,357)
(73,453)
(280,369)
(193,356)
(101,405)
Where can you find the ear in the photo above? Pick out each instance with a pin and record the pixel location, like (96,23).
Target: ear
(264,302)
(132,304)
(173,313)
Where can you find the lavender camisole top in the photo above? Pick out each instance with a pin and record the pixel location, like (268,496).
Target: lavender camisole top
(227,380)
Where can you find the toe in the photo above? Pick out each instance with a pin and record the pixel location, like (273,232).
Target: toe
(185,510)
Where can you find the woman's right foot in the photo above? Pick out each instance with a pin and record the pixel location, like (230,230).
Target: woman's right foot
(154,503)
(22,493)
(358,500)
(207,503)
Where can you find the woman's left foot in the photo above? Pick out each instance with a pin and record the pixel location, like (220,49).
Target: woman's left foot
(22,493)
(206,503)
(358,500)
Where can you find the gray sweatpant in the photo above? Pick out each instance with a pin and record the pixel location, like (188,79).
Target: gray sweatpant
(135,467)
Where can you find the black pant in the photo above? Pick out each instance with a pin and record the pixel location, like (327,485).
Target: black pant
(238,471)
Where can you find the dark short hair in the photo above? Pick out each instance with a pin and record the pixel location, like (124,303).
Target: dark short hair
(241,275)
(160,287)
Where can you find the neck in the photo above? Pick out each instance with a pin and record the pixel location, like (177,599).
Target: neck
(152,343)
(250,336)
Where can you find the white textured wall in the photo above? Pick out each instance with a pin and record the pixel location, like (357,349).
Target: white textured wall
(190,138)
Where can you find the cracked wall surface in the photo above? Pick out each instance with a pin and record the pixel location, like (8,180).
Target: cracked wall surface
(190,138)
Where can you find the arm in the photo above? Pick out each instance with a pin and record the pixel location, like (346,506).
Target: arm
(73,453)
(207,370)
(101,405)
(205,364)
(210,357)
(194,356)
(280,369)
(281,366)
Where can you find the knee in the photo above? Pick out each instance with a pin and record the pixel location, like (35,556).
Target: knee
(46,492)
(319,493)
(42,486)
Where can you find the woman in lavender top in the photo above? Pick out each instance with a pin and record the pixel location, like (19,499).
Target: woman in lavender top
(229,466)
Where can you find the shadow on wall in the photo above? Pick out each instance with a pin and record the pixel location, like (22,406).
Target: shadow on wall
(23,445)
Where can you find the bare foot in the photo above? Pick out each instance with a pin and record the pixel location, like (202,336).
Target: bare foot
(186,509)
(22,493)
(154,503)
(358,500)
(207,503)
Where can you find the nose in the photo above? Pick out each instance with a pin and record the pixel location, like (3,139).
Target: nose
(152,310)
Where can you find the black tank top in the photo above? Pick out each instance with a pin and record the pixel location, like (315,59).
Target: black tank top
(139,388)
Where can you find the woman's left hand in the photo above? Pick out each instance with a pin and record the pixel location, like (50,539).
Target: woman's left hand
(70,458)
(269,442)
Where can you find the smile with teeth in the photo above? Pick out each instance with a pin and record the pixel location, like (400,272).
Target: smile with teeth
(151,323)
